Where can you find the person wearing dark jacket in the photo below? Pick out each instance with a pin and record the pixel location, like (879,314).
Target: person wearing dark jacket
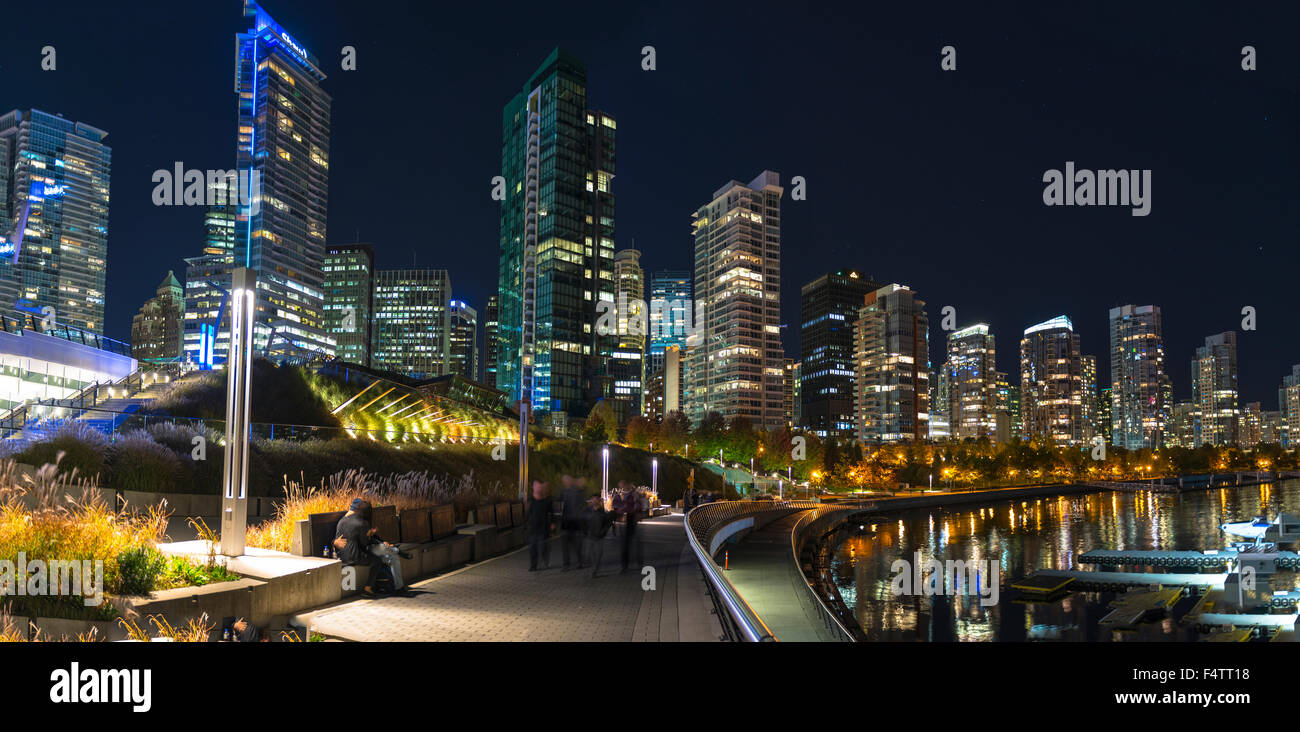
(358,544)
(539,527)
(595,524)
(571,519)
(632,513)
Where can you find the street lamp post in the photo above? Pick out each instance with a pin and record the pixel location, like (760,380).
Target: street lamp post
(604,480)
(654,475)
(239,376)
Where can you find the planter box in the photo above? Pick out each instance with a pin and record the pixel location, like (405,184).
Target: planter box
(220,600)
(57,629)
(415,526)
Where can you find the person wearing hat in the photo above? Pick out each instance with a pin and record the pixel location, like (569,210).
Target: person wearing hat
(358,544)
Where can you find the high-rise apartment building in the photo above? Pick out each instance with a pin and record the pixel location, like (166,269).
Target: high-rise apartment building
(491,347)
(156,333)
(1214,390)
(735,364)
(412,328)
(1104,423)
(557,240)
(349,300)
(1138,380)
(284,144)
(671,311)
(53,217)
(1009,404)
(972,374)
(828,308)
(463,339)
(892,367)
(1088,381)
(1250,426)
(1288,407)
(625,368)
(1052,393)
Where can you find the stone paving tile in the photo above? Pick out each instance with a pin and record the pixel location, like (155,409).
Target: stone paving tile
(500,600)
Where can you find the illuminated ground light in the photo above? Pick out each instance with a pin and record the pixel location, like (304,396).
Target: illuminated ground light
(391,412)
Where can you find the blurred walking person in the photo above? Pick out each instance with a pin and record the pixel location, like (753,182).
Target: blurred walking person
(595,523)
(539,527)
(631,507)
(572,504)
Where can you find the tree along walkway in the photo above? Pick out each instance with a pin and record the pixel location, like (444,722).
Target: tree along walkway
(498,599)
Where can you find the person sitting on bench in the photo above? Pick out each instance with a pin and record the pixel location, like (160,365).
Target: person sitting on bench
(358,543)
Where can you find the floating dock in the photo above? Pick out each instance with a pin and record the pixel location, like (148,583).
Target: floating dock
(1040,584)
(1135,606)
(1119,580)
(1169,558)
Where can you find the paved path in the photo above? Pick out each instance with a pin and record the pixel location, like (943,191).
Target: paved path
(500,600)
(764,573)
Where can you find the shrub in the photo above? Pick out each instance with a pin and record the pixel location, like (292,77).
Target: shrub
(82,448)
(137,463)
(138,570)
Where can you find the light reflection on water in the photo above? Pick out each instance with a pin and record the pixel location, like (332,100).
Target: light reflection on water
(1048,533)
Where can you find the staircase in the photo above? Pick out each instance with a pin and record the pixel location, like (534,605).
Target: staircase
(104,407)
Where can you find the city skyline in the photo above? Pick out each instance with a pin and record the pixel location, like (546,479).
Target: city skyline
(895,248)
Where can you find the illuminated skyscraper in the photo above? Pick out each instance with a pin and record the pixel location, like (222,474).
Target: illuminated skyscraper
(1137,377)
(349,300)
(491,346)
(207,277)
(283,138)
(1052,390)
(463,343)
(1288,408)
(156,328)
(828,307)
(53,217)
(972,383)
(625,368)
(1214,391)
(557,240)
(670,314)
(412,328)
(892,367)
(735,364)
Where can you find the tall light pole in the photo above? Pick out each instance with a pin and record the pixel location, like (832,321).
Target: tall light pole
(654,475)
(604,480)
(239,377)
(688,451)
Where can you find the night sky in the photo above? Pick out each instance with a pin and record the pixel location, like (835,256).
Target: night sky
(914,175)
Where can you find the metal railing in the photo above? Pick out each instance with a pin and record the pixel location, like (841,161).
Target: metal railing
(703,524)
(813,526)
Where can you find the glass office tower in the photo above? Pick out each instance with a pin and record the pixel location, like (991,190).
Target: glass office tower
(349,300)
(828,308)
(557,240)
(284,134)
(412,329)
(54,217)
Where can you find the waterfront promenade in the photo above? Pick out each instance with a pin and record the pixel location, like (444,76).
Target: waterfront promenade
(500,600)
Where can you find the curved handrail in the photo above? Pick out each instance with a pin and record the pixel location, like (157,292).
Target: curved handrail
(707,519)
(829,617)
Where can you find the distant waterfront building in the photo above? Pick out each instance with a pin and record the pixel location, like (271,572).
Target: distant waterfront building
(412,326)
(1181,429)
(1051,384)
(1250,432)
(1009,403)
(491,344)
(625,367)
(156,333)
(463,339)
(671,313)
(1214,390)
(664,385)
(735,364)
(971,371)
(1288,407)
(940,404)
(1103,414)
(892,367)
(828,308)
(283,136)
(349,300)
(556,242)
(1088,373)
(1270,428)
(1139,382)
(53,217)
(207,279)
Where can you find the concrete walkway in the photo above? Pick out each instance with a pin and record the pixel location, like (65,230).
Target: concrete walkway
(500,600)
(764,573)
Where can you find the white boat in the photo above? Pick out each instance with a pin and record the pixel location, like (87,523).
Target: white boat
(1253,529)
